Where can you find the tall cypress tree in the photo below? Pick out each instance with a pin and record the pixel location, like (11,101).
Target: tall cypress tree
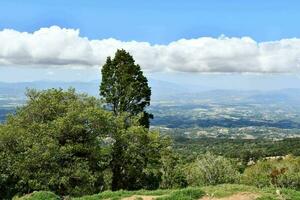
(124,87)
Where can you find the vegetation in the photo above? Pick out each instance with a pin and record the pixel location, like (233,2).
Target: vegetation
(243,150)
(69,142)
(191,193)
(124,87)
(180,194)
(40,195)
(68,145)
(268,193)
(284,173)
(211,170)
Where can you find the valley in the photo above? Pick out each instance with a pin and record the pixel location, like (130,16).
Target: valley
(227,114)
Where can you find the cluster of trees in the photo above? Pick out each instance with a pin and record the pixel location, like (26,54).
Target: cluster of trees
(244,150)
(74,144)
(65,142)
(210,169)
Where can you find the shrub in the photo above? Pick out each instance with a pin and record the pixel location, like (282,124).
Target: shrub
(210,169)
(279,173)
(258,174)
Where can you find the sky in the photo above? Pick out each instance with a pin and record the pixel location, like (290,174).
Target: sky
(225,43)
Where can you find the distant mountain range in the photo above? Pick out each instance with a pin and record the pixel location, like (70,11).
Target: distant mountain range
(167,91)
(160,89)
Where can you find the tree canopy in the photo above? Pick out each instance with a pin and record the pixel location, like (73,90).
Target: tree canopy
(55,142)
(67,143)
(124,87)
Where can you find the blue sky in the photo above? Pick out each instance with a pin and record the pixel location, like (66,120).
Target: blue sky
(164,22)
(157,21)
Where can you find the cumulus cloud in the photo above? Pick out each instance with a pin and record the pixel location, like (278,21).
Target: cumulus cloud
(60,47)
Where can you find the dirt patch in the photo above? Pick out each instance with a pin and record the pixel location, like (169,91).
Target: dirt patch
(144,197)
(238,196)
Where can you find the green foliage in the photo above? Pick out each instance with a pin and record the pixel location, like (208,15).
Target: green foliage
(136,151)
(242,149)
(190,193)
(172,169)
(124,87)
(211,170)
(258,174)
(280,173)
(56,142)
(290,194)
(65,142)
(136,156)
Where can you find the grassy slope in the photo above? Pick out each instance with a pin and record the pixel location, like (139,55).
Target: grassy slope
(180,194)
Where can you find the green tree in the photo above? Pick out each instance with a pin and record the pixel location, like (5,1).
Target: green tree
(65,142)
(56,142)
(124,87)
(136,155)
(172,169)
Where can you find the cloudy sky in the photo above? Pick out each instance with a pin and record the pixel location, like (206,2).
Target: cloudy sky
(205,42)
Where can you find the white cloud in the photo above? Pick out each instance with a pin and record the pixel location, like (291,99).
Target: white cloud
(60,47)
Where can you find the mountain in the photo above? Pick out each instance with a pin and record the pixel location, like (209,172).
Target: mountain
(164,90)
(160,89)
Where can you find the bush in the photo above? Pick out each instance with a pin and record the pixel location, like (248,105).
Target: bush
(279,173)
(258,174)
(211,170)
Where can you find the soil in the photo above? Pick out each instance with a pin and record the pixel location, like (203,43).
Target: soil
(238,196)
(144,197)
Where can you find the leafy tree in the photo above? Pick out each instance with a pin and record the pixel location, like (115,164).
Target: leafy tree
(65,142)
(136,151)
(56,142)
(8,180)
(124,87)
(172,169)
(136,156)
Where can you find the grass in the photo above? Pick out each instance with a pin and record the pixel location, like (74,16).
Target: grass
(184,194)
(180,194)
(229,189)
(191,193)
(264,193)
(40,195)
(122,194)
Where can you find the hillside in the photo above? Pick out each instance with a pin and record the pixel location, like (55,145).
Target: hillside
(219,192)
